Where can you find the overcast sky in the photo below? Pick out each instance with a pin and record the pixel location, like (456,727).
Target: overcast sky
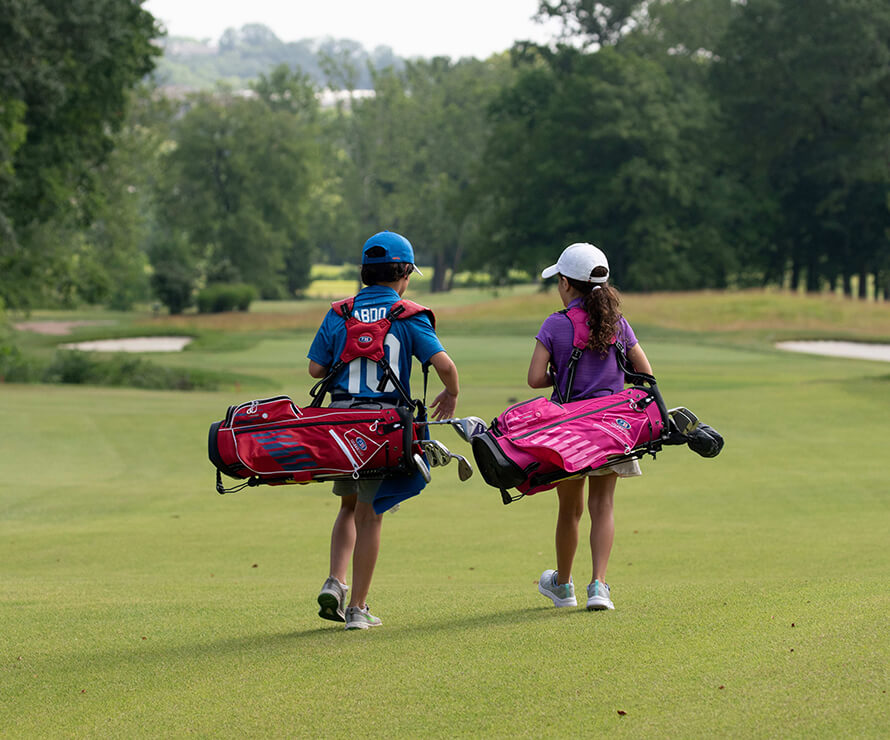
(454,28)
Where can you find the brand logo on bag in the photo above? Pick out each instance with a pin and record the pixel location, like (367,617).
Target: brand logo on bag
(622,423)
(253,407)
(365,339)
(361,444)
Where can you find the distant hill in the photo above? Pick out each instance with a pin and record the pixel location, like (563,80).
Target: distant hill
(243,55)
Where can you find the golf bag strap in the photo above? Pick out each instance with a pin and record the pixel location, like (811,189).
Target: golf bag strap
(578,317)
(405,309)
(580,339)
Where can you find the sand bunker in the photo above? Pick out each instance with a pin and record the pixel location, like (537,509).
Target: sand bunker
(57,328)
(853,350)
(131,344)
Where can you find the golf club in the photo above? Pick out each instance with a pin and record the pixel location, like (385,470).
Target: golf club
(466,428)
(685,421)
(438,454)
(464,469)
(422,467)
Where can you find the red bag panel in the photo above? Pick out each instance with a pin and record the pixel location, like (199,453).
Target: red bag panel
(276,439)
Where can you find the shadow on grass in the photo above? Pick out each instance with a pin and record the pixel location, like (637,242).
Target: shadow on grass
(264,642)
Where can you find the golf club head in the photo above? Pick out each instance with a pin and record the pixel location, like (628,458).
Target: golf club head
(422,467)
(464,469)
(468,427)
(684,419)
(436,452)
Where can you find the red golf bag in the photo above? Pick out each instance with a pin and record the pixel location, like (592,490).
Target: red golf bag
(275,441)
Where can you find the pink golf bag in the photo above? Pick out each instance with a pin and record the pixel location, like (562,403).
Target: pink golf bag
(534,445)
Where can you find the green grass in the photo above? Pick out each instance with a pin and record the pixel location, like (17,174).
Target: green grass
(751,589)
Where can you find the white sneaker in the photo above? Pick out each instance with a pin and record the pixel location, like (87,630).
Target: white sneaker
(360,618)
(599,596)
(559,594)
(332,600)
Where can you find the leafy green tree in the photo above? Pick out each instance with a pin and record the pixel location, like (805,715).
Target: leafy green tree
(65,69)
(175,269)
(237,185)
(116,241)
(415,150)
(806,99)
(595,22)
(605,147)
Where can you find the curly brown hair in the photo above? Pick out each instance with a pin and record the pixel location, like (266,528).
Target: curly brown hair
(602,303)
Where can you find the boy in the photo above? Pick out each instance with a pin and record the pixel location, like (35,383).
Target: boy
(387,266)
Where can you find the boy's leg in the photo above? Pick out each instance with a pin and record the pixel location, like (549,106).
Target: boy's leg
(571,508)
(368,525)
(332,597)
(600,504)
(343,538)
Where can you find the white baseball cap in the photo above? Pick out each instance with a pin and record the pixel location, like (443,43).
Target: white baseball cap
(578,261)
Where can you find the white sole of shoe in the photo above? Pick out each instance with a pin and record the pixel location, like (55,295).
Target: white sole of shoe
(598,606)
(361,625)
(555,599)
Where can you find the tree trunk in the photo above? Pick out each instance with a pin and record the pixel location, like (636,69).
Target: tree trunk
(863,284)
(458,254)
(812,274)
(795,275)
(437,284)
(847,285)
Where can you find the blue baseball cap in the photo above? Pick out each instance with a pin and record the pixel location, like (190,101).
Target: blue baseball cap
(396,249)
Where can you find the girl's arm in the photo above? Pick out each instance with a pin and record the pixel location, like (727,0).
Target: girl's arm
(538,377)
(638,360)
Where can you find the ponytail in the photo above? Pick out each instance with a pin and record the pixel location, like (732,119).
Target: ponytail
(602,303)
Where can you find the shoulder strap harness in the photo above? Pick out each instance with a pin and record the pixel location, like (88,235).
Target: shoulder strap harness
(580,339)
(367,340)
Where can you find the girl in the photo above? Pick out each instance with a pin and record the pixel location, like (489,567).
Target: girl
(583,272)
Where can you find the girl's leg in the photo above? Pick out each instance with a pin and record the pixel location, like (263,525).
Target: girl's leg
(343,538)
(571,508)
(367,546)
(600,504)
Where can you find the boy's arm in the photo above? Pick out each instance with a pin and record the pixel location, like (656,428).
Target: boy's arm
(316,370)
(444,404)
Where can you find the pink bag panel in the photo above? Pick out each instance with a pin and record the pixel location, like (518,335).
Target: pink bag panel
(580,434)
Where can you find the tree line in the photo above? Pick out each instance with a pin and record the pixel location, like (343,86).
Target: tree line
(701,143)
(241,55)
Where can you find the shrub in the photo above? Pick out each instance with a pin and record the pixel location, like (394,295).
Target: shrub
(69,366)
(72,366)
(221,297)
(14,366)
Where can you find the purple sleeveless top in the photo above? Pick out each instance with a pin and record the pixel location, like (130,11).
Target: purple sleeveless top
(595,375)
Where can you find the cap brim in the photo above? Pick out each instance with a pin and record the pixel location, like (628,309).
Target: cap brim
(417,270)
(550,271)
